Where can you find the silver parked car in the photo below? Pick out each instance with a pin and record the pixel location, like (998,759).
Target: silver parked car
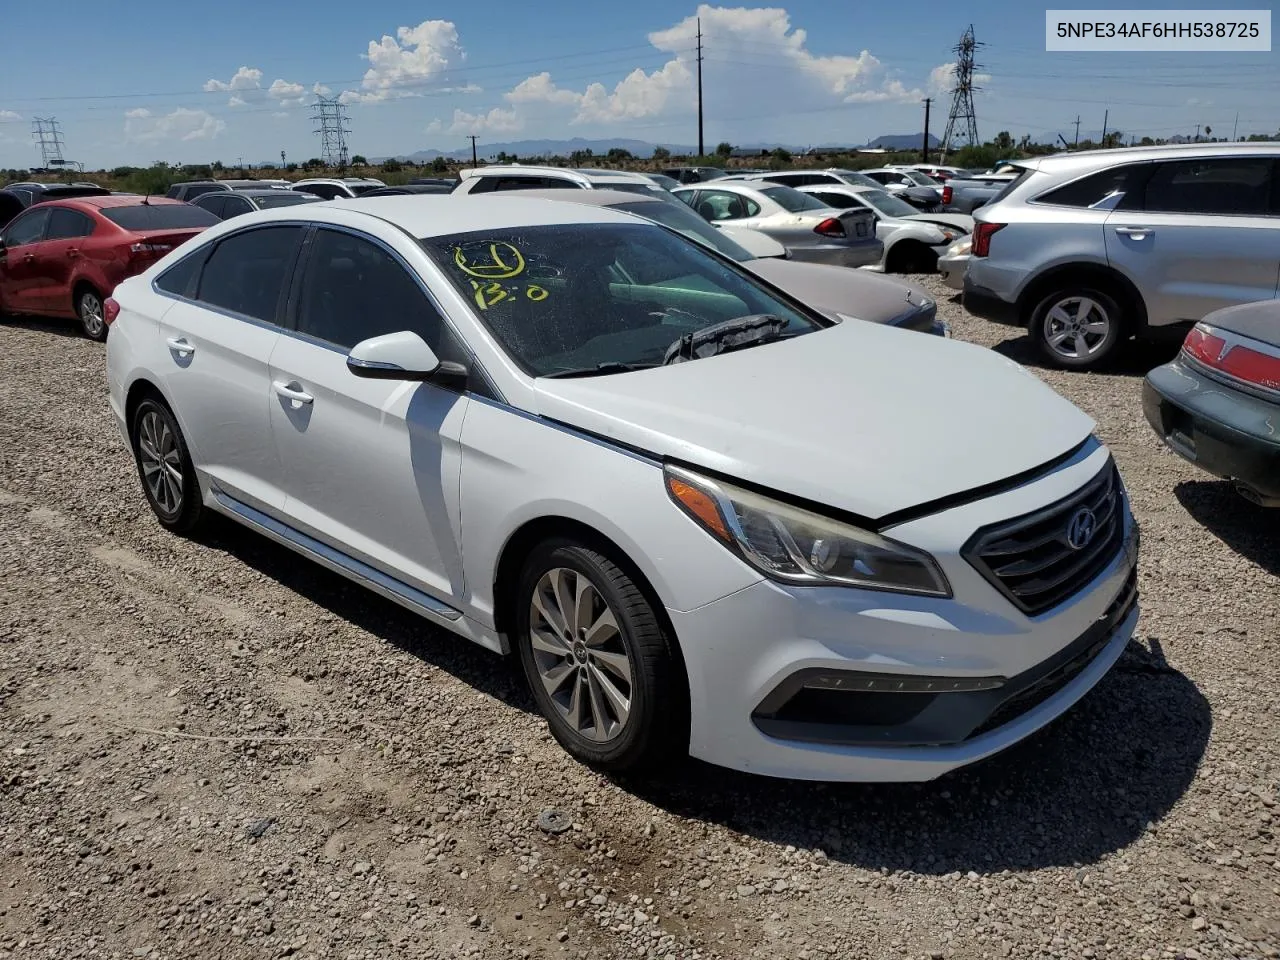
(837,292)
(913,241)
(808,228)
(911,185)
(1089,249)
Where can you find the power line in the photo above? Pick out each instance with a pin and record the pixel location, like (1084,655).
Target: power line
(962,109)
(331,114)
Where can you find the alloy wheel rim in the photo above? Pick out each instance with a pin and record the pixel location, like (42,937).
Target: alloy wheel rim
(91,313)
(161,462)
(580,656)
(1076,327)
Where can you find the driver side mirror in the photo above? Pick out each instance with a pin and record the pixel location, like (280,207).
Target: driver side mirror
(400,356)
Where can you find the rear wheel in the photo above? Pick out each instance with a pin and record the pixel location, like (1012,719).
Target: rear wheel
(598,659)
(164,466)
(1078,327)
(912,257)
(89,310)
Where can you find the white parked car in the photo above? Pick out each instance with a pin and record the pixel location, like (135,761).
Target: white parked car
(703,517)
(913,241)
(338,188)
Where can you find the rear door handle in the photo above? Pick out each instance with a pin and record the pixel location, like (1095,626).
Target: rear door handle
(291,392)
(1138,232)
(73,253)
(180,346)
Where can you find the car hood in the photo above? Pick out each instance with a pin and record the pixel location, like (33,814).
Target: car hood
(924,194)
(839,290)
(864,418)
(961,221)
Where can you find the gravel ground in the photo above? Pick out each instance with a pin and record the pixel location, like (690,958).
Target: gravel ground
(215,749)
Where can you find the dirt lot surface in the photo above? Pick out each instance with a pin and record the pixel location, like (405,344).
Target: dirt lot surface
(215,749)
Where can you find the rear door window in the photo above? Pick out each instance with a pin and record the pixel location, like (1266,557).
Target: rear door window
(246,272)
(1227,186)
(214,204)
(67,225)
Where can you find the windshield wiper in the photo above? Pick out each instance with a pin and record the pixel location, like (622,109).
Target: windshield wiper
(598,370)
(722,337)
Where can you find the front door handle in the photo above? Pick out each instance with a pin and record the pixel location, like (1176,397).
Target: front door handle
(1137,232)
(73,253)
(180,346)
(292,392)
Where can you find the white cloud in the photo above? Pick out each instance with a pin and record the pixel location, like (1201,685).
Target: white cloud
(402,65)
(320,90)
(289,94)
(756,60)
(246,78)
(245,87)
(9,115)
(141,126)
(942,78)
(435,126)
(497,120)
(1198,102)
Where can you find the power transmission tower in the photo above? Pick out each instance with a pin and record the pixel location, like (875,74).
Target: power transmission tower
(924,144)
(701,147)
(963,120)
(332,117)
(45,132)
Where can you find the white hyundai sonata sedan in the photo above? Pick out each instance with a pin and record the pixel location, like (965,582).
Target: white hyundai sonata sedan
(705,517)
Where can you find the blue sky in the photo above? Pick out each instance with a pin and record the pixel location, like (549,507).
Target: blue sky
(187,87)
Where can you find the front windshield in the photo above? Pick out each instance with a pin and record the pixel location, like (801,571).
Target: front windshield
(918,178)
(576,296)
(887,205)
(681,218)
(630,186)
(791,199)
(858,179)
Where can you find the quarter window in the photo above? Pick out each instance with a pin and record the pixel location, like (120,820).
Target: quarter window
(180,278)
(67,225)
(246,272)
(27,229)
(1105,190)
(1228,186)
(353,290)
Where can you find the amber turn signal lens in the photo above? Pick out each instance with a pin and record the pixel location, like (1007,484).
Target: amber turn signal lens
(699,505)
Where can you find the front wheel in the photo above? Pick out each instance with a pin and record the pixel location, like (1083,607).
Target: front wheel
(164,466)
(89,311)
(1077,327)
(599,660)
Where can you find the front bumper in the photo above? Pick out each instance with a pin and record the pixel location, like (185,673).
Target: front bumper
(744,650)
(1224,431)
(859,254)
(952,270)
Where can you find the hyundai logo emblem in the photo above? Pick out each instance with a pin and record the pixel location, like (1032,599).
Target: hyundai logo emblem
(1080,528)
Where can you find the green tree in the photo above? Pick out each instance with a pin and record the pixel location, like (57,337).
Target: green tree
(618,155)
(661,154)
(439,165)
(155,179)
(314,163)
(724,149)
(359,160)
(216,165)
(1003,141)
(390,166)
(292,168)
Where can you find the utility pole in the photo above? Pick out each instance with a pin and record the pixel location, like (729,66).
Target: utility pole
(701,146)
(283,162)
(1235,127)
(1077,145)
(475,162)
(1105,115)
(924,143)
(1197,133)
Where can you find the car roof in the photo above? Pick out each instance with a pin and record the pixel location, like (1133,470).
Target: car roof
(591,174)
(262,192)
(593,198)
(113,200)
(732,184)
(443,214)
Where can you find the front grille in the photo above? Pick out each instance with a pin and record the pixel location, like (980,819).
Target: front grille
(1031,559)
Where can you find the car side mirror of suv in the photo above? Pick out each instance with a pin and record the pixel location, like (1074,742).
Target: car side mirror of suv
(400,356)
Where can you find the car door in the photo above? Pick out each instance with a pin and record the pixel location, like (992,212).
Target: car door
(234,206)
(217,341)
(59,256)
(19,269)
(214,203)
(1205,236)
(372,466)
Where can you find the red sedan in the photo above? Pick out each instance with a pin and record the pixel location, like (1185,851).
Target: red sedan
(63,258)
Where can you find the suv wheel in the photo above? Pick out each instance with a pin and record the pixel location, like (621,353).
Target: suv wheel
(598,660)
(1077,327)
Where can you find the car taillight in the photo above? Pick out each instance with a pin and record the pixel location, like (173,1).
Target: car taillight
(982,238)
(947,194)
(110,310)
(1235,360)
(830,227)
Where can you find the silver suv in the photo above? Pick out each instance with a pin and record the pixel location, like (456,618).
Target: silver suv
(1089,249)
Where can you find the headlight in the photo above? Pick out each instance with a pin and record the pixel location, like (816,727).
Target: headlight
(796,546)
(960,247)
(949,235)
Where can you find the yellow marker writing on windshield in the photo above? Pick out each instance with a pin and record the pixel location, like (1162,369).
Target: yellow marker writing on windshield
(489,261)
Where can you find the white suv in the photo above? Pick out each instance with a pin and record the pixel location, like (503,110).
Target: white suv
(504,177)
(1088,249)
(705,518)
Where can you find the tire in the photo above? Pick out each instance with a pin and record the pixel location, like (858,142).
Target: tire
(89,313)
(653,729)
(1078,327)
(911,256)
(155,436)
